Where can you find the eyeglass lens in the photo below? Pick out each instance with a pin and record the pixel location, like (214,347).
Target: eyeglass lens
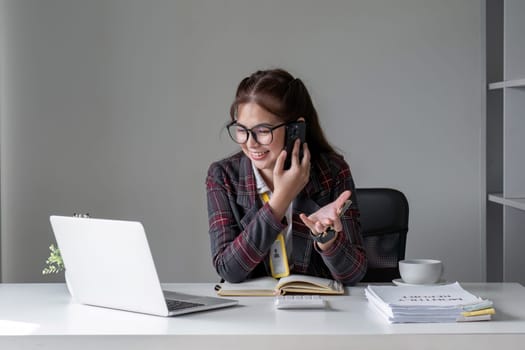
(240,134)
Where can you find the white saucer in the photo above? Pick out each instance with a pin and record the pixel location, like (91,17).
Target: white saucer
(400,282)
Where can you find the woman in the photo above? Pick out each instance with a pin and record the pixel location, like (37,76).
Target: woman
(255,207)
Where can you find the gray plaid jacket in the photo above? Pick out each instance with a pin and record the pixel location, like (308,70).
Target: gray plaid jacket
(242,228)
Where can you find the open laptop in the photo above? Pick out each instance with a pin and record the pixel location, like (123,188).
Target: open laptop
(109,264)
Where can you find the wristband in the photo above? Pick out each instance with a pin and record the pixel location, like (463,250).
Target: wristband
(323,237)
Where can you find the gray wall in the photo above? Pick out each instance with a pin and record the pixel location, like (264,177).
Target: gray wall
(116,107)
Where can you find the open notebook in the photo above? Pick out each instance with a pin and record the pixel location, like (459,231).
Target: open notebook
(294,284)
(109,264)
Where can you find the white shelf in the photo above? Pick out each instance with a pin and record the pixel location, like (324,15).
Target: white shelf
(505,140)
(518,203)
(507,83)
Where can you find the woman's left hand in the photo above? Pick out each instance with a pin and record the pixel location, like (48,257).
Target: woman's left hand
(327,216)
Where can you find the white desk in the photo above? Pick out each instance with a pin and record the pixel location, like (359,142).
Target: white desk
(42,316)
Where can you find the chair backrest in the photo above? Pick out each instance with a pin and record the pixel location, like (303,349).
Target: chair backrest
(384,225)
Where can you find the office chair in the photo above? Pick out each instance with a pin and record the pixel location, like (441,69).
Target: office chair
(384,226)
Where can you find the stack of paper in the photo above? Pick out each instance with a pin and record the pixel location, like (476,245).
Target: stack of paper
(440,303)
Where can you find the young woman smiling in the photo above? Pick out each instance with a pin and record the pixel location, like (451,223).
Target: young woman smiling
(252,200)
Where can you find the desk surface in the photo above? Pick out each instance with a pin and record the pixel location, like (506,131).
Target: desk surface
(44,314)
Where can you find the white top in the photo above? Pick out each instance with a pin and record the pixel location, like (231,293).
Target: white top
(262,187)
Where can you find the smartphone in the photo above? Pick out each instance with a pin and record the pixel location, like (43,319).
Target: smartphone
(294,131)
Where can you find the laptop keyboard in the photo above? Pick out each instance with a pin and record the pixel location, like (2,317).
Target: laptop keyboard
(179,305)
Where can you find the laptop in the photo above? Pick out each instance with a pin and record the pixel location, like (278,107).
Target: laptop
(109,264)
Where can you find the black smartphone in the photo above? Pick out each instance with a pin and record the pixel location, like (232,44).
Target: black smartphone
(294,131)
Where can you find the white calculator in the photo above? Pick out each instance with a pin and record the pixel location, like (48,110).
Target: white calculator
(299,302)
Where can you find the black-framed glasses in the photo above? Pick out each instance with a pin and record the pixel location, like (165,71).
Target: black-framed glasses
(262,134)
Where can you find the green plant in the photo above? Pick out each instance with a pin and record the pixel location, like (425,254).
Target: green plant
(54,263)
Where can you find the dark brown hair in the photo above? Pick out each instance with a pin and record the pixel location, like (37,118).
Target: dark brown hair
(278,92)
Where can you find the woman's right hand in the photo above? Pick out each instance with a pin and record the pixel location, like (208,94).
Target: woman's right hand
(287,184)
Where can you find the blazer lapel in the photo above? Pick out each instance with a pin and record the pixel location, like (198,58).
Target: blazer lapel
(247,196)
(247,189)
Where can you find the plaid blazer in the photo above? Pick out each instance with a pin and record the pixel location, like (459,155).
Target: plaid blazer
(242,228)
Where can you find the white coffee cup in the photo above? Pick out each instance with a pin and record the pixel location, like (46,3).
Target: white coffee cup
(420,271)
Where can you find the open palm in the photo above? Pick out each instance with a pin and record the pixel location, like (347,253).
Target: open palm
(326,216)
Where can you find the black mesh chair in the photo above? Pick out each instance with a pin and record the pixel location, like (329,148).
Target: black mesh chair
(384,225)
